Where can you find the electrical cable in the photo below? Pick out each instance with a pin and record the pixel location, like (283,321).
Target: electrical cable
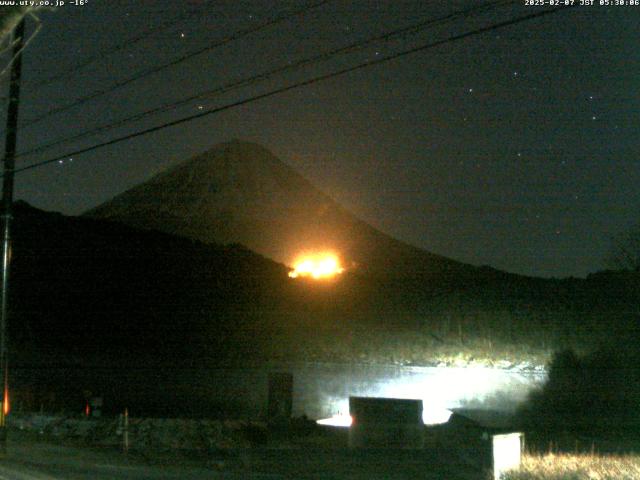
(268,74)
(303,83)
(150,71)
(116,48)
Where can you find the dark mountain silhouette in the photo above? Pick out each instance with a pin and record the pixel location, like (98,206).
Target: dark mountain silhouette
(90,288)
(240,192)
(93,302)
(140,298)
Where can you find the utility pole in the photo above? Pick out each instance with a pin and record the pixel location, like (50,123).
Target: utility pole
(7,201)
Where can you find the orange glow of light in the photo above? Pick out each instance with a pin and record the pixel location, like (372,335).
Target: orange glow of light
(5,406)
(317,266)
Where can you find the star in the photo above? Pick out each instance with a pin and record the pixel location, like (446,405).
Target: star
(594,118)
(471,90)
(182,35)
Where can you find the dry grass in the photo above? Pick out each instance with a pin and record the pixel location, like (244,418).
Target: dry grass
(557,466)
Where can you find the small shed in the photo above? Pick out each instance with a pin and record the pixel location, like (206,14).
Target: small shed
(385,423)
(484,439)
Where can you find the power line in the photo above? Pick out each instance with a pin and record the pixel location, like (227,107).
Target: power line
(116,48)
(156,69)
(303,83)
(268,74)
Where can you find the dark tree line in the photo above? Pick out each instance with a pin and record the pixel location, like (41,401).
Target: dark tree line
(625,251)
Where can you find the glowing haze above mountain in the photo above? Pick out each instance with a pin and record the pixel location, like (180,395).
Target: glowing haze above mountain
(239,192)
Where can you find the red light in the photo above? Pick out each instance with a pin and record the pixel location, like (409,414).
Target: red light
(5,406)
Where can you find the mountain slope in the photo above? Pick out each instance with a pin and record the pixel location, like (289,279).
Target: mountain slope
(86,287)
(90,298)
(240,192)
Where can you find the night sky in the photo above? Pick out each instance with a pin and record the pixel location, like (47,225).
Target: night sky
(516,148)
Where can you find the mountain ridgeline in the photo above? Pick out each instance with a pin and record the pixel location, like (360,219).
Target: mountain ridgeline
(396,302)
(174,274)
(239,192)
